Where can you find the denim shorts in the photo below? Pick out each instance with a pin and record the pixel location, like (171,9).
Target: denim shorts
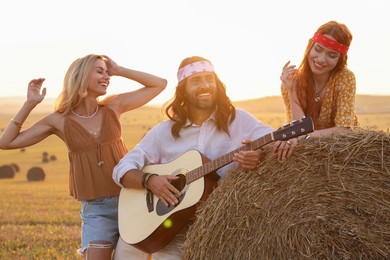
(99,221)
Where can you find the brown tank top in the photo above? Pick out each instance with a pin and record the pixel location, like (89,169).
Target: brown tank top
(92,160)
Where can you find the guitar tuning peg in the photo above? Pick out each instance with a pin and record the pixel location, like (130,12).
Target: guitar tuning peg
(301,120)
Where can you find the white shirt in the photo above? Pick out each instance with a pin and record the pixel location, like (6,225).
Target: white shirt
(159,146)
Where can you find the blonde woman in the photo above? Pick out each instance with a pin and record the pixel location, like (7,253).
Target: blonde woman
(92,132)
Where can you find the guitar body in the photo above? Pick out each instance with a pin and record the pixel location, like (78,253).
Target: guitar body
(151,231)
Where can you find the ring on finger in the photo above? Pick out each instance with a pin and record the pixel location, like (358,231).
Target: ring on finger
(289,143)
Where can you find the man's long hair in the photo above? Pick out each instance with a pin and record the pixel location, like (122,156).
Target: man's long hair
(177,108)
(304,77)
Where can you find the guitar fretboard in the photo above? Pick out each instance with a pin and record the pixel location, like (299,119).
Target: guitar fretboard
(218,163)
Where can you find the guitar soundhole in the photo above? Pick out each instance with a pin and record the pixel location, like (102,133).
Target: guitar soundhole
(179,184)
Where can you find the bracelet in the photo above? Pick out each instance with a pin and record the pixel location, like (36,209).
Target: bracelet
(147,178)
(16,123)
(143,179)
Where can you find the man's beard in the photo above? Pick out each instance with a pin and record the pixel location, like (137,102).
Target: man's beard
(204,105)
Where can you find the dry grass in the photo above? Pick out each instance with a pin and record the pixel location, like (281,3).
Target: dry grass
(39,220)
(330,200)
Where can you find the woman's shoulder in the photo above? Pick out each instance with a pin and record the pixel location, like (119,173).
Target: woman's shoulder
(344,80)
(345,72)
(56,115)
(55,120)
(110,101)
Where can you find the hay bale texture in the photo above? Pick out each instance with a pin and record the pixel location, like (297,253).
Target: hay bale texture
(330,200)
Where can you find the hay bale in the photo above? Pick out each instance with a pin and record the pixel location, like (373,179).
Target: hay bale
(330,200)
(36,174)
(45,157)
(6,172)
(15,167)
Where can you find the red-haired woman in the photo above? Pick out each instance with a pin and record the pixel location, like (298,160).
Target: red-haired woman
(322,86)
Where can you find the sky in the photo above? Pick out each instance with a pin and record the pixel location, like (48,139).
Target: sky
(248,41)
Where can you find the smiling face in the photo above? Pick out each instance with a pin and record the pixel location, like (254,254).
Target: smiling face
(322,60)
(99,79)
(201,90)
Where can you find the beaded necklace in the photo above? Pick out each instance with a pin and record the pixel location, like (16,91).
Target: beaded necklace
(85,117)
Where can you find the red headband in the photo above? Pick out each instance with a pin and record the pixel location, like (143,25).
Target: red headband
(329,43)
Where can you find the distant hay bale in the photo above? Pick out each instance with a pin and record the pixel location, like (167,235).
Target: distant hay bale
(330,200)
(15,167)
(45,157)
(6,172)
(53,157)
(36,174)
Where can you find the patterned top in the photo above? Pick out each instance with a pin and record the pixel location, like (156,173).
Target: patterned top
(338,106)
(88,180)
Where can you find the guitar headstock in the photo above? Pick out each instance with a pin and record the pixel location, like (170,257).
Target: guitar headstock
(295,129)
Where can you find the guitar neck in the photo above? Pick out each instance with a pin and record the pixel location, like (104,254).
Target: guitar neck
(218,163)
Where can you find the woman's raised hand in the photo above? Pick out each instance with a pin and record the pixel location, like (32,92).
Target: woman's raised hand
(112,67)
(35,92)
(287,75)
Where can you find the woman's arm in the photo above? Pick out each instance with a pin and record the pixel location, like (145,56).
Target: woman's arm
(12,137)
(289,92)
(153,85)
(329,131)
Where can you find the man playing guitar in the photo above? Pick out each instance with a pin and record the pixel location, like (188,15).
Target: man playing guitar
(202,119)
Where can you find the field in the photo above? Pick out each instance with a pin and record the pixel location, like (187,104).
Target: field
(40,220)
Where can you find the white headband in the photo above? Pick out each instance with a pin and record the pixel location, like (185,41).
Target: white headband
(192,68)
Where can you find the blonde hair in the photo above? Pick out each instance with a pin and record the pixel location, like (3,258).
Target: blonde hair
(76,81)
